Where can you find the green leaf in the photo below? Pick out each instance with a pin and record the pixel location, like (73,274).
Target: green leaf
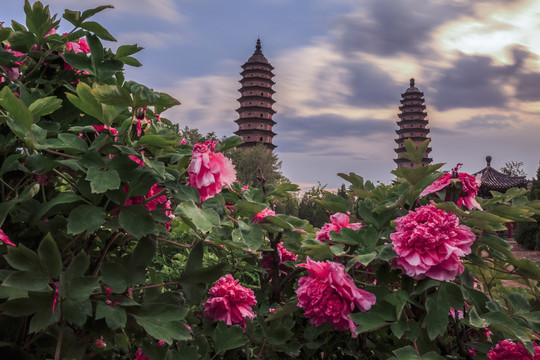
(61,198)
(251,234)
(131,61)
(27,280)
(5,33)
(85,218)
(86,101)
(91,12)
(97,29)
(79,61)
(112,95)
(163,321)
(126,50)
(228,143)
(23,259)
(114,316)
(78,289)
(187,193)
(136,220)
(380,315)
(437,315)
(49,256)
(73,17)
(16,108)
(45,106)
(164,101)
(114,276)
(228,338)
(102,180)
(78,266)
(278,221)
(204,219)
(157,141)
(406,353)
(76,312)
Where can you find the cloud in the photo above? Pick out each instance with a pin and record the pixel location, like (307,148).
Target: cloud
(489,121)
(389,28)
(163,9)
(151,40)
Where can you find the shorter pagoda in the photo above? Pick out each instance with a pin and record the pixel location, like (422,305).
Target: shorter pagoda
(412,125)
(255,112)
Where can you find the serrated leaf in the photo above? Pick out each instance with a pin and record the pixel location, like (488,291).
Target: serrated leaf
(16,108)
(45,106)
(102,180)
(49,256)
(98,29)
(23,259)
(114,316)
(204,219)
(136,220)
(85,218)
(228,338)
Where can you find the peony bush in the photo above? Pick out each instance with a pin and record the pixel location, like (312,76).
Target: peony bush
(120,240)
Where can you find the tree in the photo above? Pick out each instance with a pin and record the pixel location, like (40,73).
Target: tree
(513,168)
(248,161)
(193,136)
(528,233)
(310,210)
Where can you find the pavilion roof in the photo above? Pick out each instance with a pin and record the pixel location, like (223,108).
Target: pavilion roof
(498,181)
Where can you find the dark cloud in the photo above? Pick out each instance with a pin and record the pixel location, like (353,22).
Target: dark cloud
(475,81)
(330,127)
(389,27)
(371,87)
(488,121)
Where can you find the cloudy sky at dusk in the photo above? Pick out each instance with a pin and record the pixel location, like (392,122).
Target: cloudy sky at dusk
(341,66)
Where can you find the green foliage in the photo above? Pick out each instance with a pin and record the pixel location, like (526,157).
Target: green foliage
(90,180)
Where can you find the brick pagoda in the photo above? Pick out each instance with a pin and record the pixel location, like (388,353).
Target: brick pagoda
(255,111)
(412,124)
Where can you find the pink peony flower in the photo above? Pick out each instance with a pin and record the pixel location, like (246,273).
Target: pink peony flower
(209,171)
(79,46)
(5,239)
(329,295)
(100,128)
(337,221)
(230,302)
(430,242)
(507,350)
(284,255)
(260,216)
(469,188)
(139,355)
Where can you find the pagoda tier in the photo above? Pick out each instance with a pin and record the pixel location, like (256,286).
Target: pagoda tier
(255,112)
(412,125)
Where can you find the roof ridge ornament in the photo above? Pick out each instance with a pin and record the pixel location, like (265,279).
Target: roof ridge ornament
(488,160)
(412,82)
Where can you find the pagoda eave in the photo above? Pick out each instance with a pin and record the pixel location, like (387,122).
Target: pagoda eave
(416,130)
(416,139)
(255,120)
(250,63)
(255,109)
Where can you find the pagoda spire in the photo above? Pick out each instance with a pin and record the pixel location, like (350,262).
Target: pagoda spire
(412,125)
(255,112)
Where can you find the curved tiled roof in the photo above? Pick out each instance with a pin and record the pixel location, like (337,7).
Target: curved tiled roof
(498,181)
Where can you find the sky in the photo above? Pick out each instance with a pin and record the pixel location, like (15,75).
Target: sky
(340,69)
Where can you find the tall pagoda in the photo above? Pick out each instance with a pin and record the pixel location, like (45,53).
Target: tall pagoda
(255,111)
(412,125)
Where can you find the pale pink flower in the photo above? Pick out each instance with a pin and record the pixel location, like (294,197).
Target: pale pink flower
(100,128)
(284,255)
(329,295)
(5,239)
(230,302)
(260,216)
(507,350)
(209,171)
(469,188)
(337,221)
(79,46)
(430,243)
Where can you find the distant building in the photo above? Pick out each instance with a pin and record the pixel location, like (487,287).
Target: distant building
(255,111)
(493,180)
(412,124)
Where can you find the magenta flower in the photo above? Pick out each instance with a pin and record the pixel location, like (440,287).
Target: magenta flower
(230,302)
(209,171)
(78,46)
(430,242)
(139,355)
(329,295)
(507,350)
(469,188)
(260,216)
(5,239)
(100,128)
(284,255)
(337,221)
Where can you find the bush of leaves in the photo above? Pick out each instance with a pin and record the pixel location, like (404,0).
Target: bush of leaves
(119,240)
